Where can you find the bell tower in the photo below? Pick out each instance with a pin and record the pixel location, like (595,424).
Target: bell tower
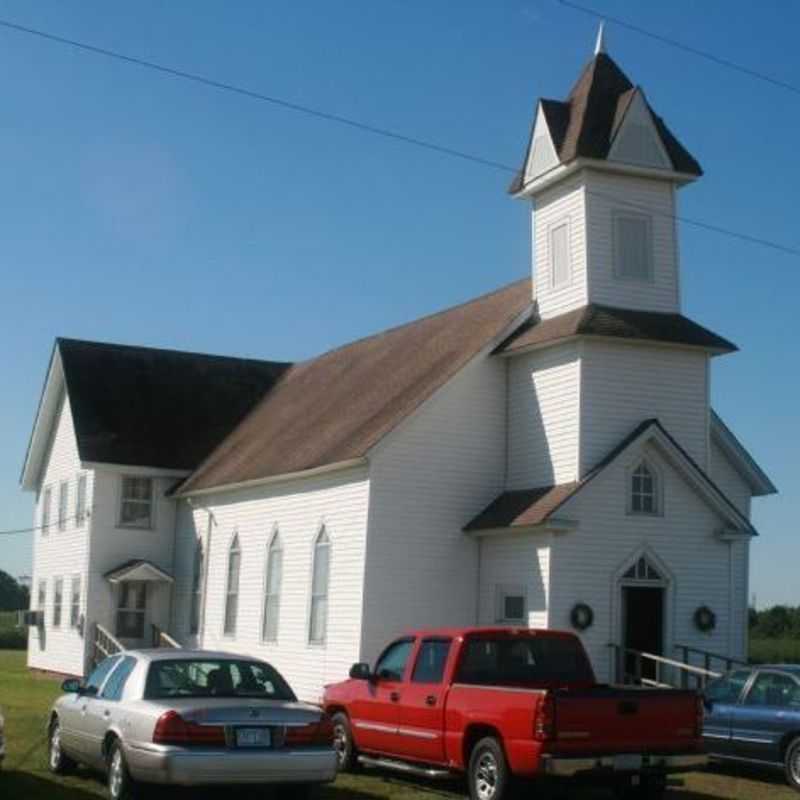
(601,171)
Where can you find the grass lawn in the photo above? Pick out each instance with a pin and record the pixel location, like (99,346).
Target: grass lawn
(775,651)
(25,701)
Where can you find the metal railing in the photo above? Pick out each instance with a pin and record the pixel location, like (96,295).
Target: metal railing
(160,638)
(649,669)
(709,660)
(104,644)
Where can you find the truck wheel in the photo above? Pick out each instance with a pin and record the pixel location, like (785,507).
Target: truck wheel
(793,764)
(346,754)
(56,760)
(488,774)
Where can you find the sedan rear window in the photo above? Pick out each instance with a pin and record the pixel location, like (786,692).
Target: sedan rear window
(216,678)
(523,661)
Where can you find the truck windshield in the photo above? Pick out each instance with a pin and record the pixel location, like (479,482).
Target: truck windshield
(207,677)
(523,661)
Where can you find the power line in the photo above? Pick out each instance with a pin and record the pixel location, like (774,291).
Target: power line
(51,526)
(365,126)
(718,60)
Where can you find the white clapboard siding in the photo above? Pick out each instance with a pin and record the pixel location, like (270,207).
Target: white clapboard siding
(428,479)
(607,195)
(543,417)
(562,203)
(515,560)
(585,563)
(60,553)
(624,384)
(113,545)
(729,480)
(297,509)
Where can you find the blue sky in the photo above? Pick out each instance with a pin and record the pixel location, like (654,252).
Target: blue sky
(143,209)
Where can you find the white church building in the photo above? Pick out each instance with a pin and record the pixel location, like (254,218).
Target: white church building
(545,455)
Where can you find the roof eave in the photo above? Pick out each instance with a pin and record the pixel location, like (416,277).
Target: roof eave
(548,525)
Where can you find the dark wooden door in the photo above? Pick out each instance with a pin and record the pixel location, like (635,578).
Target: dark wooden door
(644,626)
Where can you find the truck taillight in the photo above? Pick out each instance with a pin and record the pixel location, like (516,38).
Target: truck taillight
(699,718)
(544,723)
(314,734)
(172,728)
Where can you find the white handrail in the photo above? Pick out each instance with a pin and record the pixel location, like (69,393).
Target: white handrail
(165,637)
(105,642)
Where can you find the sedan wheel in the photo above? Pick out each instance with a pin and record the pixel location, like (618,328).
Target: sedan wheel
(793,764)
(56,760)
(120,785)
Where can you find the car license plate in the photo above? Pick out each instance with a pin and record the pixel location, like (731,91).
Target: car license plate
(253,737)
(627,762)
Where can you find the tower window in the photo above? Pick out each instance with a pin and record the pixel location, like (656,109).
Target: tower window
(633,247)
(559,254)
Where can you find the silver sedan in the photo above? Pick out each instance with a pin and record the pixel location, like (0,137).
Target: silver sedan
(189,717)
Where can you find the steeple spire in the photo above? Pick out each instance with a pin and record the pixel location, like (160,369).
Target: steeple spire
(600,44)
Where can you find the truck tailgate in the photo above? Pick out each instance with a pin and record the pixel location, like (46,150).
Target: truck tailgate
(623,720)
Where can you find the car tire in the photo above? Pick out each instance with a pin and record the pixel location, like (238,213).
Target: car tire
(120,784)
(488,776)
(792,762)
(57,761)
(346,753)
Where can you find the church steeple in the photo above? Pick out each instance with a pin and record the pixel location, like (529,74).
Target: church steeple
(601,169)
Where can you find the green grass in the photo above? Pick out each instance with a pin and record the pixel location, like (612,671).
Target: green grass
(775,651)
(26,699)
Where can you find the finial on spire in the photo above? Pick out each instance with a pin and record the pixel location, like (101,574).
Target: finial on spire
(600,44)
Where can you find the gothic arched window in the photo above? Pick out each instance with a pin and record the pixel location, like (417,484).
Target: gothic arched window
(272,589)
(232,588)
(318,622)
(644,490)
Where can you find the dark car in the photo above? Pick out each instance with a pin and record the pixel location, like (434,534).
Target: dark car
(753,717)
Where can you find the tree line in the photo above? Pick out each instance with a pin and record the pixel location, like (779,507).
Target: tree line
(13,595)
(778,622)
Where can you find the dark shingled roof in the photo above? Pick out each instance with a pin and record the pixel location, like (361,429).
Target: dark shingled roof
(522,508)
(336,407)
(157,408)
(584,125)
(624,323)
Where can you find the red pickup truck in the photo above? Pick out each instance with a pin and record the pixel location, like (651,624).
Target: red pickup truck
(499,702)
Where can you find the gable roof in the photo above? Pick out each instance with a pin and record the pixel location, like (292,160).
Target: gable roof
(623,323)
(338,406)
(523,509)
(739,457)
(140,406)
(584,125)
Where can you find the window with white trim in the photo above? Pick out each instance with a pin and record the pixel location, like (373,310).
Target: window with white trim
(560,267)
(642,570)
(75,601)
(63,499)
(633,246)
(136,502)
(272,589)
(47,499)
(232,587)
(512,603)
(41,599)
(80,501)
(318,614)
(58,599)
(644,490)
(197,587)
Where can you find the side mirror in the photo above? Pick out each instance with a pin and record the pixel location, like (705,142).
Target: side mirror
(71,686)
(88,691)
(361,672)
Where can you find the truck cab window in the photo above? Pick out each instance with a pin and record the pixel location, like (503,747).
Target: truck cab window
(392,664)
(431,661)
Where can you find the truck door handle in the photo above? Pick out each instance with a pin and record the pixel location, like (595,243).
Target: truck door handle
(430,700)
(394,696)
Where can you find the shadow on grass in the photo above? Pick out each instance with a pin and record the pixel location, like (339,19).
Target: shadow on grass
(33,787)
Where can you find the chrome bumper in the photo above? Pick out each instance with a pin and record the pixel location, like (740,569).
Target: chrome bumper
(568,767)
(169,765)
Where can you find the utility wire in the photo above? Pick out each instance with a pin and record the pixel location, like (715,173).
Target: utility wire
(365,126)
(51,526)
(687,48)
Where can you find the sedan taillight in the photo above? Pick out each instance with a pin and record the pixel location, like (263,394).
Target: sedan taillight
(172,728)
(314,734)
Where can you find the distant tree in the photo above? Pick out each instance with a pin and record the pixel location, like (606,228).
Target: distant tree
(13,596)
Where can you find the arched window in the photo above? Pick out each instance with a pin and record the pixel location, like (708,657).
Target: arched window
(318,617)
(642,570)
(272,589)
(197,587)
(232,590)
(644,490)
